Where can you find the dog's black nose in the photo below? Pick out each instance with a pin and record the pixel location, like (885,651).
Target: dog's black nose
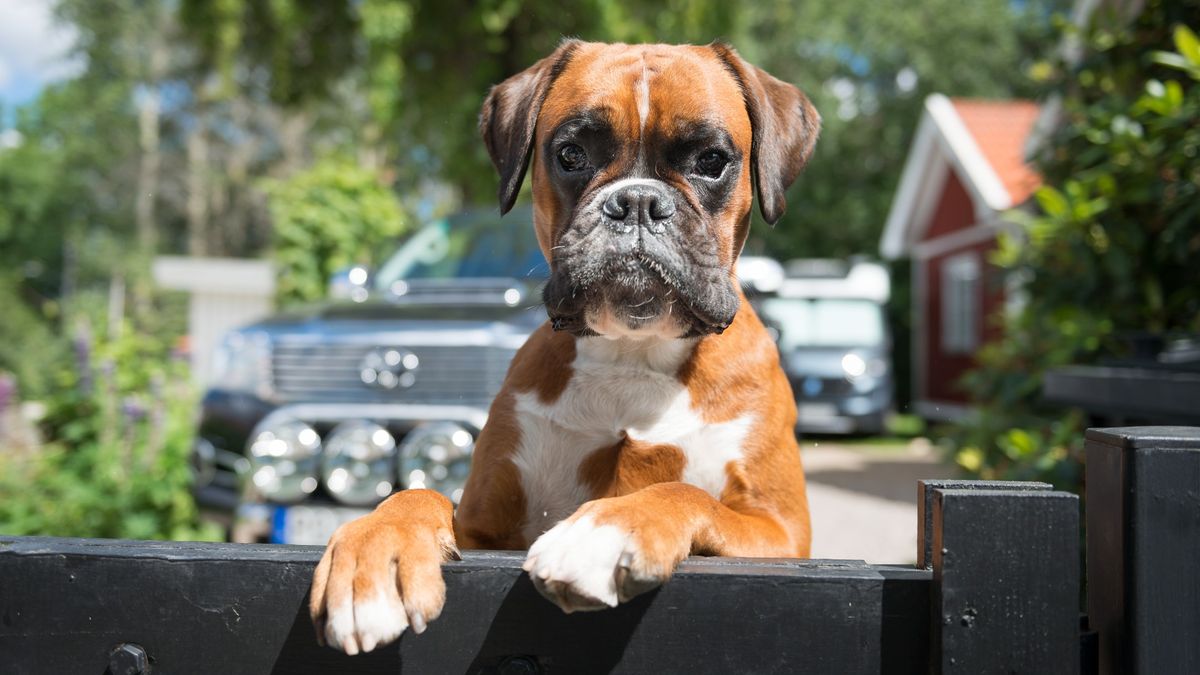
(639,204)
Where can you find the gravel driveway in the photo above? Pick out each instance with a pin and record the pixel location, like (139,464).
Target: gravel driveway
(863,498)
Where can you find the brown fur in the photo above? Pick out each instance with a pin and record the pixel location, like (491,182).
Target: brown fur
(763,510)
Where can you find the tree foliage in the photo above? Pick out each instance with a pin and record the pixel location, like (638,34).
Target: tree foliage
(868,67)
(331,216)
(424,67)
(1112,251)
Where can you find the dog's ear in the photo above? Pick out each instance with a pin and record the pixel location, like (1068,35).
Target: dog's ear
(784,128)
(510,114)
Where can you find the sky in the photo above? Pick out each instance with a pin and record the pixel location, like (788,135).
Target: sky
(33,50)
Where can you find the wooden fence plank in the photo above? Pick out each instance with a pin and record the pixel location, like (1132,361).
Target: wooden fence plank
(224,608)
(1143,548)
(905,642)
(1006,582)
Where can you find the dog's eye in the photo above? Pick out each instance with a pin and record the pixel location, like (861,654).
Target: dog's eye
(711,164)
(572,157)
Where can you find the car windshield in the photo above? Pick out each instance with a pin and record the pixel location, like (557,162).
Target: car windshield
(817,322)
(467,249)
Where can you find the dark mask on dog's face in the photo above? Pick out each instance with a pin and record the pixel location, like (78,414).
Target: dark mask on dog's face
(645,159)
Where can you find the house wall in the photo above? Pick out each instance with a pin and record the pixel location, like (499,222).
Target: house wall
(953,220)
(955,210)
(942,369)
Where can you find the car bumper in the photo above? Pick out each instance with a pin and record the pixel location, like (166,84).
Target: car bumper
(299,524)
(228,421)
(857,413)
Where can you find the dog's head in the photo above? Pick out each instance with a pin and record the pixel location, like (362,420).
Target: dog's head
(644,158)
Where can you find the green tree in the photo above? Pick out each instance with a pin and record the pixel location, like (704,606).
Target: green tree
(1111,252)
(868,67)
(62,180)
(424,67)
(327,218)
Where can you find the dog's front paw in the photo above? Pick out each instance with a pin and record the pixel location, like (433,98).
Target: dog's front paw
(381,574)
(591,561)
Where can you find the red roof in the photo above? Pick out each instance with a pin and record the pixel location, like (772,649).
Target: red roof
(1001,129)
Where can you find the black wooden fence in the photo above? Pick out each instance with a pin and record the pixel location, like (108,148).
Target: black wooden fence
(996,590)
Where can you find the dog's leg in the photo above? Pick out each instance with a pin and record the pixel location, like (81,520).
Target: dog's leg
(615,548)
(381,574)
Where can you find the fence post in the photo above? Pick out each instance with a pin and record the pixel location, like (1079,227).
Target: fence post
(925,490)
(1143,548)
(1006,581)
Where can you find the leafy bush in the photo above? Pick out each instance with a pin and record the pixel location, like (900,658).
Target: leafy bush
(331,216)
(118,432)
(29,349)
(1112,251)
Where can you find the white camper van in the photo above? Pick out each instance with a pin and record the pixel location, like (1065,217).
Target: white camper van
(834,343)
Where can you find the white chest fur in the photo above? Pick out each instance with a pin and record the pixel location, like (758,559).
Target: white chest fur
(617,388)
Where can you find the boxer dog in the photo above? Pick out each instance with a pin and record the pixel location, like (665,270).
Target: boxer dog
(649,418)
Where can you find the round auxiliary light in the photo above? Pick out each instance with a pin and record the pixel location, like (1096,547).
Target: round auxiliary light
(359,462)
(284,458)
(437,456)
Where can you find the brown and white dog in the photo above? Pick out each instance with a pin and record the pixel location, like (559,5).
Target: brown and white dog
(649,419)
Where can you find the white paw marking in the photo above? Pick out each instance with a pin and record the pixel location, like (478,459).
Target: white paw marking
(576,564)
(339,628)
(367,624)
(379,620)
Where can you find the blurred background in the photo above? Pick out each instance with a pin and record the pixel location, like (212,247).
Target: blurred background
(252,278)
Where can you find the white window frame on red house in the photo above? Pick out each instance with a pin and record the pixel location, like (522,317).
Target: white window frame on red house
(961,301)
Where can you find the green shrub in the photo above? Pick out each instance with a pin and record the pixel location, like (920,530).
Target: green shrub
(334,215)
(29,348)
(1113,249)
(118,432)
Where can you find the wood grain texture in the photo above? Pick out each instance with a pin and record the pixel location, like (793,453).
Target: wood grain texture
(240,609)
(1006,582)
(925,492)
(1143,544)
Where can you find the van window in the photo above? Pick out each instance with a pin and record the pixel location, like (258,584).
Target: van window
(817,322)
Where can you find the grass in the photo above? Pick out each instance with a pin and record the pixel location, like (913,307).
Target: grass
(899,431)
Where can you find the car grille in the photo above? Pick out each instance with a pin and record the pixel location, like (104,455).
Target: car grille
(447,375)
(830,387)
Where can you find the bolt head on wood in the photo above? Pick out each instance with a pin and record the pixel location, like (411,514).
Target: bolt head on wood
(128,659)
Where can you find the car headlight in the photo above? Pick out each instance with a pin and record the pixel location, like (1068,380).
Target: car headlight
(437,456)
(862,373)
(284,459)
(359,462)
(242,362)
(853,365)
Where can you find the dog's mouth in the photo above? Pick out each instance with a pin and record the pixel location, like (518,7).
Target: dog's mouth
(632,295)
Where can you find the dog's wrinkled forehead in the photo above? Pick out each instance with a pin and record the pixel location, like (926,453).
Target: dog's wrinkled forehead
(647,90)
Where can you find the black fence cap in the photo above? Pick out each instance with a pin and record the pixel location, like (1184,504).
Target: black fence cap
(1147,437)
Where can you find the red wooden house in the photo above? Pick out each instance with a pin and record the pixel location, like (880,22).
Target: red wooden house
(965,169)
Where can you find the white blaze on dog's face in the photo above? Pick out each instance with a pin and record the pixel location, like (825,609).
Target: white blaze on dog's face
(644,157)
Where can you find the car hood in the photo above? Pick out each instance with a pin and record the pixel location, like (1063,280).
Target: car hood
(374,316)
